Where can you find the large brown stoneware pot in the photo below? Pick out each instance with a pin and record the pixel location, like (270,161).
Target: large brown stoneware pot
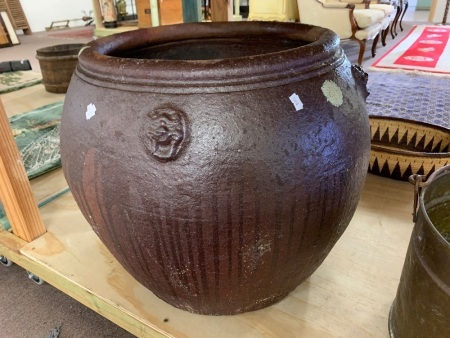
(219,163)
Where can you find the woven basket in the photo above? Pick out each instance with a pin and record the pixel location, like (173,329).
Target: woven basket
(401,148)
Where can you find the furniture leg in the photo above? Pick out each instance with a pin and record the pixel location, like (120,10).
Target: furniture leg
(384,36)
(362,48)
(444,19)
(403,14)
(397,16)
(374,45)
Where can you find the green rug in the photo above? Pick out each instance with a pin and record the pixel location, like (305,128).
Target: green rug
(37,136)
(11,81)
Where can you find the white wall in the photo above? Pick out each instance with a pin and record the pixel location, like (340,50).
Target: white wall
(41,13)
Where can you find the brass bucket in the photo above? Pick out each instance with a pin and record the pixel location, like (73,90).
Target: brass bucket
(422,304)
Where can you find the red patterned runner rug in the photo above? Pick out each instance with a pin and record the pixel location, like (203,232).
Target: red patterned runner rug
(425,48)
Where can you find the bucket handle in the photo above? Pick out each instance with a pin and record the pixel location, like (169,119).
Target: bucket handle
(420,182)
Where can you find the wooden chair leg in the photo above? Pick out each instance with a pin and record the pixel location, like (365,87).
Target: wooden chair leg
(404,11)
(374,45)
(362,49)
(384,36)
(401,7)
(394,22)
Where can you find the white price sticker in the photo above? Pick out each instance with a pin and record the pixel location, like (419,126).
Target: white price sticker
(295,99)
(90,111)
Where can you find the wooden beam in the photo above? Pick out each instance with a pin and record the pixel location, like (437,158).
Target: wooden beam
(15,190)
(97,14)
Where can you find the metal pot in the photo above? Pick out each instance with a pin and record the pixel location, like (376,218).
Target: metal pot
(422,305)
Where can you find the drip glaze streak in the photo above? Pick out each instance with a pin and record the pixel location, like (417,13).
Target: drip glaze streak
(201,249)
(216,246)
(257,221)
(159,247)
(277,234)
(240,231)
(230,230)
(192,268)
(178,273)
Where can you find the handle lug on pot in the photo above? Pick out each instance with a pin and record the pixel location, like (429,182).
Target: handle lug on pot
(420,182)
(361,78)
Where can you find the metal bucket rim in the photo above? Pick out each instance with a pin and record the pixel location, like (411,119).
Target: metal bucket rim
(431,181)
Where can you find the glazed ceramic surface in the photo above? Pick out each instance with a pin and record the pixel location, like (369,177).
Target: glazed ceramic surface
(218,162)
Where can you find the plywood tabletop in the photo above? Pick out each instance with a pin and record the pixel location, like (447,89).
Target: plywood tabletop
(348,296)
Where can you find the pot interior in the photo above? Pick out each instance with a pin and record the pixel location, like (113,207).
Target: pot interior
(437,204)
(212,48)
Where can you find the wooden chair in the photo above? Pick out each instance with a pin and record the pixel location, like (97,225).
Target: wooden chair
(347,22)
(387,9)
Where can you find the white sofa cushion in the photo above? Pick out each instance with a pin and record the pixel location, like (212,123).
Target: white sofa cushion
(367,17)
(385,23)
(387,9)
(368,33)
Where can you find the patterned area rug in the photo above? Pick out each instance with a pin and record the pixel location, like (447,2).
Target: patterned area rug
(11,81)
(424,49)
(410,96)
(37,136)
(411,145)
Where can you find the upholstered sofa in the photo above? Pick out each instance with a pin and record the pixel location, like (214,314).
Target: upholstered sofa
(345,20)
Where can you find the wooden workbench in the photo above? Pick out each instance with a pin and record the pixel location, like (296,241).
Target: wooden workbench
(348,296)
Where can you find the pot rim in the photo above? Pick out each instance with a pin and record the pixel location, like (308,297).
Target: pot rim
(319,56)
(63,49)
(434,180)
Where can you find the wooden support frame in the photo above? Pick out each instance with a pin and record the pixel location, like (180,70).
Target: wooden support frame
(15,190)
(5,40)
(4,18)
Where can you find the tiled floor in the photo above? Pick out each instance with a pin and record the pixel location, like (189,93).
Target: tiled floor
(416,16)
